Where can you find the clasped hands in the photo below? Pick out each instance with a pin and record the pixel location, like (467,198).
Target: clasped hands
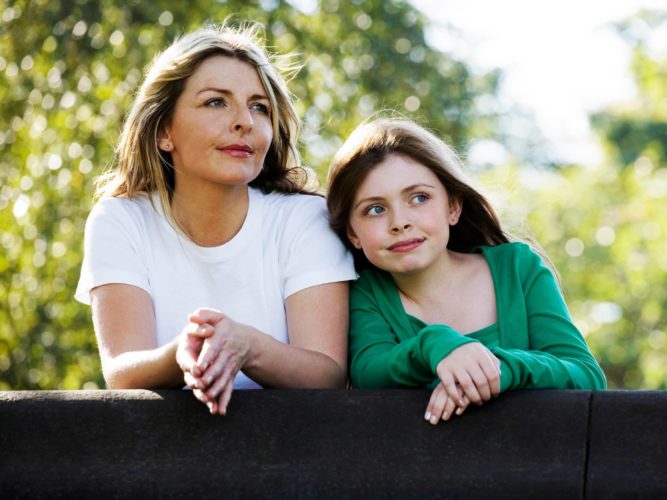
(211,350)
(468,374)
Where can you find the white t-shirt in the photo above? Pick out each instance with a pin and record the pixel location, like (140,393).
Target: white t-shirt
(284,246)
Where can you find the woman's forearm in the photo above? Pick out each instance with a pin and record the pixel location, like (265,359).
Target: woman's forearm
(274,364)
(145,369)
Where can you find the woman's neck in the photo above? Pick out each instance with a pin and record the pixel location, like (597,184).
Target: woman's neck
(422,285)
(211,216)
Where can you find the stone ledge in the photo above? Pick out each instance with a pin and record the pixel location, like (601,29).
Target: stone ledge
(335,444)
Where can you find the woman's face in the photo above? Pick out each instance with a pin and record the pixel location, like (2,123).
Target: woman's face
(221,129)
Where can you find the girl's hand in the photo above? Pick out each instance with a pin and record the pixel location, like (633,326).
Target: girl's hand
(441,406)
(224,352)
(474,369)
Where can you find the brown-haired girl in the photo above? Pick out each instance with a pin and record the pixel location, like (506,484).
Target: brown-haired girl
(444,299)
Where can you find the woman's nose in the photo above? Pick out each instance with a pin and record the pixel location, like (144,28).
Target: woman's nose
(242,120)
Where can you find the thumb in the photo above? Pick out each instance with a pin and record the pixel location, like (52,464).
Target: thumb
(205,315)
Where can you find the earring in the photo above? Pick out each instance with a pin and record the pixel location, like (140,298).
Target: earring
(166,147)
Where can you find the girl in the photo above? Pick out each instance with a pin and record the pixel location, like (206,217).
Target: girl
(443,298)
(203,213)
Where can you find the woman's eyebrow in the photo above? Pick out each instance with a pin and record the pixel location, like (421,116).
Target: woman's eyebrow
(222,91)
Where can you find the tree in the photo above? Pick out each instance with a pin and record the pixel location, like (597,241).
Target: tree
(68,71)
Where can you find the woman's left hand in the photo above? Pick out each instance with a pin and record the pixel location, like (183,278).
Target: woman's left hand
(224,352)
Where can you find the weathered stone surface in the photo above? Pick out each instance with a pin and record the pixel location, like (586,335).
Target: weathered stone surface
(335,444)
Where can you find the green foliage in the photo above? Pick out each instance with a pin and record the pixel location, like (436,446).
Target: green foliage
(68,71)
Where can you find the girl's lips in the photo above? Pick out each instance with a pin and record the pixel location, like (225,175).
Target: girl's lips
(406,246)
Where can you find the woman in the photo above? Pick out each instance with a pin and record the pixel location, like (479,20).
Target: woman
(205,212)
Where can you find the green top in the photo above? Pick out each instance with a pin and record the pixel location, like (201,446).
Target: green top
(534,338)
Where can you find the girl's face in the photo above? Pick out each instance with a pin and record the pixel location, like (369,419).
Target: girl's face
(220,130)
(401,215)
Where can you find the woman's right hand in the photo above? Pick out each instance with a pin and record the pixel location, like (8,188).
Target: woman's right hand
(472,368)
(190,344)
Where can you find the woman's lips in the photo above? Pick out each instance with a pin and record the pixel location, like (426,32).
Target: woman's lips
(406,245)
(238,150)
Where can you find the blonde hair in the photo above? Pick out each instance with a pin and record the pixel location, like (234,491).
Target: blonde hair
(371,143)
(141,167)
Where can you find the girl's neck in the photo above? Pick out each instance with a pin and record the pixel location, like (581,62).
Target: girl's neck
(213,215)
(423,285)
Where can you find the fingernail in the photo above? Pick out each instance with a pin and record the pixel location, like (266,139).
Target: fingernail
(427,416)
(209,380)
(445,416)
(434,419)
(210,406)
(201,330)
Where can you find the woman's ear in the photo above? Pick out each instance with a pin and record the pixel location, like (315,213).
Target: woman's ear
(351,235)
(164,141)
(455,208)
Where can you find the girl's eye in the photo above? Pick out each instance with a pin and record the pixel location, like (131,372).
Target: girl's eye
(420,198)
(374,210)
(262,108)
(215,102)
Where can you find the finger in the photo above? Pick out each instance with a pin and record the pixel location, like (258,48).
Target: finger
(481,382)
(461,409)
(221,381)
(205,315)
(224,398)
(200,396)
(192,381)
(207,358)
(468,387)
(449,384)
(492,373)
(448,411)
(203,330)
(436,405)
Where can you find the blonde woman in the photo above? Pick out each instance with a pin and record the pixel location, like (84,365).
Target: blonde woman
(205,260)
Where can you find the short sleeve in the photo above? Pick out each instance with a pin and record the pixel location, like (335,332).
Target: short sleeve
(113,249)
(313,254)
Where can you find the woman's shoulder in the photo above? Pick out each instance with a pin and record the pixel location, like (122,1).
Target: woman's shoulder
(288,202)
(284,210)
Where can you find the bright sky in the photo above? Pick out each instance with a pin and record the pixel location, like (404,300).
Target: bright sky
(561,58)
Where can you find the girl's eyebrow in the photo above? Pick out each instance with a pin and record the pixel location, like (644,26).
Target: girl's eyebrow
(403,191)
(226,92)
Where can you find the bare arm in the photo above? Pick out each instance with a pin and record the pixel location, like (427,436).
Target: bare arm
(126,333)
(316,356)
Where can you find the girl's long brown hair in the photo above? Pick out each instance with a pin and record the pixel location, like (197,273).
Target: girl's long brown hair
(371,143)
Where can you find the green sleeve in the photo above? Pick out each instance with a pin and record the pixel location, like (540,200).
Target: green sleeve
(383,353)
(557,357)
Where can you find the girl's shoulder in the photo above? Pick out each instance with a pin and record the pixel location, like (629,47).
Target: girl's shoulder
(513,251)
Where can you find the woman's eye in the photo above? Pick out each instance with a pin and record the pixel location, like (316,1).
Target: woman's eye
(374,210)
(262,108)
(420,198)
(215,102)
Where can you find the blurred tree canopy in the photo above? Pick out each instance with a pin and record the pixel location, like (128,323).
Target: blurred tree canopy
(605,227)
(68,73)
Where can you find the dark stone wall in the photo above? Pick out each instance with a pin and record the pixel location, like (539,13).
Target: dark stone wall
(332,444)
